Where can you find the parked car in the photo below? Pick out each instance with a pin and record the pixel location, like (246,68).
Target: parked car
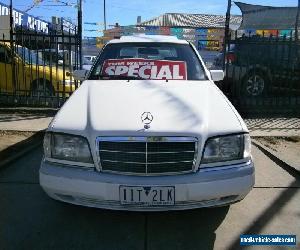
(87,64)
(52,56)
(32,74)
(209,58)
(92,59)
(262,66)
(147,130)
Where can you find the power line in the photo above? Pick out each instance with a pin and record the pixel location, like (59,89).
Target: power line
(36,3)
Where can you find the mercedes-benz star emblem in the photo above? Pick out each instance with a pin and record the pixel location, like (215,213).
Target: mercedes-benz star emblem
(147,118)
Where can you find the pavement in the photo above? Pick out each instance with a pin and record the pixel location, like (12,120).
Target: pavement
(24,121)
(282,126)
(14,145)
(286,152)
(8,138)
(29,219)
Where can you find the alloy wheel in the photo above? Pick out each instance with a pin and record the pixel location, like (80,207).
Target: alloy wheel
(255,85)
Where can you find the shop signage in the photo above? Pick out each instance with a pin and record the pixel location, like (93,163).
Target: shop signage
(22,19)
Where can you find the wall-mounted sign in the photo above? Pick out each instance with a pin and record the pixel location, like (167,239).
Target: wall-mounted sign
(68,26)
(266,33)
(177,32)
(22,19)
(164,31)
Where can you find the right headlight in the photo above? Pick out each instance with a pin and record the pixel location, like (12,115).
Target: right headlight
(227,148)
(67,147)
(67,82)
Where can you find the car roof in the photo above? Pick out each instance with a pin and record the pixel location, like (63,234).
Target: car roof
(141,38)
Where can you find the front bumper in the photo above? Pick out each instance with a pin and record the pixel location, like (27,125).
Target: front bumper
(205,188)
(66,89)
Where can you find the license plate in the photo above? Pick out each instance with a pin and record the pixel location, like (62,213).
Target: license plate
(147,195)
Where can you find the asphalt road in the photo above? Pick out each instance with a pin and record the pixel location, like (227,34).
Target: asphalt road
(31,220)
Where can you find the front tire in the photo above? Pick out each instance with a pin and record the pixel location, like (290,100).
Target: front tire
(254,84)
(39,88)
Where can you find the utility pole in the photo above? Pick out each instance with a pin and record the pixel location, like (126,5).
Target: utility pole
(80,32)
(226,37)
(104,11)
(11,26)
(297,22)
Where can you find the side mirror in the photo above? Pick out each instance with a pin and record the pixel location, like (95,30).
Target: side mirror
(80,75)
(217,75)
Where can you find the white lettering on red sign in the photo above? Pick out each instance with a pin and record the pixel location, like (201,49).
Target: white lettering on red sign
(146,69)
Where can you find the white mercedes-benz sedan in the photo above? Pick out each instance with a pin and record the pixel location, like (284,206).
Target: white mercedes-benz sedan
(148,130)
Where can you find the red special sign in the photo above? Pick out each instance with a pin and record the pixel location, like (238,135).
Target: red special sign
(145,68)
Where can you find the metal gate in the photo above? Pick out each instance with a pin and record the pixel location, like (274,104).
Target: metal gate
(36,68)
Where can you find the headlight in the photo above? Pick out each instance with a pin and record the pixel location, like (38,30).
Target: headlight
(227,148)
(67,82)
(67,147)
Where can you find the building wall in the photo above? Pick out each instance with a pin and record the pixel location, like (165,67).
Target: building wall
(203,38)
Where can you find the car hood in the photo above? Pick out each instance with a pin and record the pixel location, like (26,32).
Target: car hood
(115,107)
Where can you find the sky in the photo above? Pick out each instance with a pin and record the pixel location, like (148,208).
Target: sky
(125,12)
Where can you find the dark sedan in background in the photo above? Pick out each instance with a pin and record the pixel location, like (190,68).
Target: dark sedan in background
(260,66)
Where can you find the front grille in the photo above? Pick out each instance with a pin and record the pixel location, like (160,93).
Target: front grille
(147,155)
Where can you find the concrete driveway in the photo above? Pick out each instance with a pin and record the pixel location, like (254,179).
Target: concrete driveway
(31,220)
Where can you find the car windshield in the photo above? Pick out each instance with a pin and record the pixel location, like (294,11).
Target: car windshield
(155,61)
(29,56)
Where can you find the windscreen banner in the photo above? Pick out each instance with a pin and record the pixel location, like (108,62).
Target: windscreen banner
(145,69)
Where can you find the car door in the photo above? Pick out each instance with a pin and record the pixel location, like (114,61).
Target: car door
(6,85)
(22,73)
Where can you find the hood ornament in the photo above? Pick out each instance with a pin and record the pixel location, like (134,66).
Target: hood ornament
(147,118)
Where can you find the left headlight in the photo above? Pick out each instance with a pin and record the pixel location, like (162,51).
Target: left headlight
(67,147)
(227,148)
